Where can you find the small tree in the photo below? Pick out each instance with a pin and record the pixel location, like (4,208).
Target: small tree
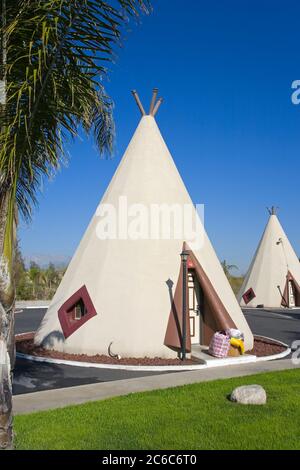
(227,268)
(35,275)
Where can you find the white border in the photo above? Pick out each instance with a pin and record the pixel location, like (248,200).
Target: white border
(32,307)
(214,363)
(285,353)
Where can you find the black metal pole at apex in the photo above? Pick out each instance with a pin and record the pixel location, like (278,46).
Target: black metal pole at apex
(184,258)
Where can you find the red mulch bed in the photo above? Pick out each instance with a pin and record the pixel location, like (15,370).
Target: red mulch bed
(266,347)
(25,345)
(23,336)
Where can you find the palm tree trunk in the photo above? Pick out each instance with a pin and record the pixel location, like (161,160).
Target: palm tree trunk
(7,344)
(7,289)
(6,420)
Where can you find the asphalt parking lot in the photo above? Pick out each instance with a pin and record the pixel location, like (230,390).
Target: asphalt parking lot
(282,324)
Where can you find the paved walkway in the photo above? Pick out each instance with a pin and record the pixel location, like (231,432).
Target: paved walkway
(59,398)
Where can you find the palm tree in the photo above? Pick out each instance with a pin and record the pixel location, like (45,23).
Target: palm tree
(51,275)
(7,237)
(52,70)
(227,268)
(36,277)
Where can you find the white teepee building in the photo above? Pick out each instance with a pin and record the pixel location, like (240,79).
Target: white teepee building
(124,294)
(273,278)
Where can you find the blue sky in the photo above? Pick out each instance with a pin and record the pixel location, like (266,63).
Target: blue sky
(225,70)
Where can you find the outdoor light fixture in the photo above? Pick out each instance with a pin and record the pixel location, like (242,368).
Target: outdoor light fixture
(184,258)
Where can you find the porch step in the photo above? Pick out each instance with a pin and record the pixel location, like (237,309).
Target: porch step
(201,354)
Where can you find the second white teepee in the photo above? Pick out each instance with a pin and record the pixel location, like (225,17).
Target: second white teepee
(273,278)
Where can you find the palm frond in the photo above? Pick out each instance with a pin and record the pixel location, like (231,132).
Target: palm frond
(57,53)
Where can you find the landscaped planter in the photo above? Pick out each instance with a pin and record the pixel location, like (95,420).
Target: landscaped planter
(264,349)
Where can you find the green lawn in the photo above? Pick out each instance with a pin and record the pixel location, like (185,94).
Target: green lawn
(192,417)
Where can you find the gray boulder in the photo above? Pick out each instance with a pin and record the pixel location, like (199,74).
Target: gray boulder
(249,395)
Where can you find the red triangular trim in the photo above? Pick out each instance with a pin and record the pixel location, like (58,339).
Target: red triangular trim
(222,319)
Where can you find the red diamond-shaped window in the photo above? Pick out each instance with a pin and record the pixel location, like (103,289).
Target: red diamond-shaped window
(76,311)
(248,296)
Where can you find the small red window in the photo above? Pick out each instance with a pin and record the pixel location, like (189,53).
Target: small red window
(76,311)
(248,296)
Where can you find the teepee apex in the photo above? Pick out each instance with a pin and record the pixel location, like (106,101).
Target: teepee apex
(138,102)
(154,106)
(157,106)
(272,210)
(153,101)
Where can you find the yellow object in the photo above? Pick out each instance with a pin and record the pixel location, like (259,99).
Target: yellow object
(238,343)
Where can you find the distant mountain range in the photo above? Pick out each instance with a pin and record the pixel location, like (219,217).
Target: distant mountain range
(43,260)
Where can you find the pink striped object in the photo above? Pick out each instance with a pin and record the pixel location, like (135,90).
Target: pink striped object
(219,345)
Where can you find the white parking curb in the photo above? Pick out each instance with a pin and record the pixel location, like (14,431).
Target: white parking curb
(32,307)
(96,365)
(247,359)
(285,353)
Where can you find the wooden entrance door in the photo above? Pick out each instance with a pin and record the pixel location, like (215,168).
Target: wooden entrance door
(194,308)
(291,294)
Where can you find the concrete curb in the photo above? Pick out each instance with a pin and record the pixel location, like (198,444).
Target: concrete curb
(247,359)
(218,363)
(274,357)
(59,398)
(32,304)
